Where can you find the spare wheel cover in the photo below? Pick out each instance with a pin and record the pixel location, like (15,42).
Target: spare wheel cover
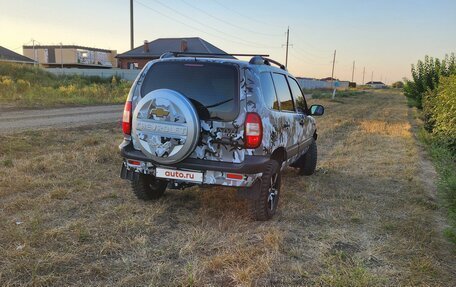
(166,126)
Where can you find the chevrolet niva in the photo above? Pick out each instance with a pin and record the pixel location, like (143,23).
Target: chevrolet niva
(216,120)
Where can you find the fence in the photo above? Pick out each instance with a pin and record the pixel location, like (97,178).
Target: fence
(129,75)
(311,84)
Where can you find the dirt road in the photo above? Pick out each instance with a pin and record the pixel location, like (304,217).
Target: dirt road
(14,121)
(366,218)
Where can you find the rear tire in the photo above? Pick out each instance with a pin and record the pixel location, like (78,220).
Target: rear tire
(263,206)
(147,187)
(309,160)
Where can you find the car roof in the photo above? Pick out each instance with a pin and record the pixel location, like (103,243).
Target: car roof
(241,63)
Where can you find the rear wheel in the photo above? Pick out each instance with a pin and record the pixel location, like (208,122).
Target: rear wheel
(309,160)
(264,206)
(147,187)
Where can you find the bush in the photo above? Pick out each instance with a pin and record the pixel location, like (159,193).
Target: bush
(398,85)
(428,109)
(439,109)
(426,75)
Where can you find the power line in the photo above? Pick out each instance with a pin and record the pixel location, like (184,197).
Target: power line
(313,55)
(197,29)
(229,23)
(295,54)
(253,44)
(311,59)
(244,16)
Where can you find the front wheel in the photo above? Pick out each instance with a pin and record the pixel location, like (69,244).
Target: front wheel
(264,205)
(148,187)
(309,160)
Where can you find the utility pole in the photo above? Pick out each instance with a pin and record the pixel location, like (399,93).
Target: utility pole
(334,61)
(34,52)
(372,77)
(131,26)
(353,71)
(332,76)
(364,72)
(61,55)
(287,45)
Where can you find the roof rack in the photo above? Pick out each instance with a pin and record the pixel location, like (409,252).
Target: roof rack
(261,60)
(215,55)
(257,59)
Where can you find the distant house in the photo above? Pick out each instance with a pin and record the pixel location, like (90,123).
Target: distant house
(71,56)
(9,56)
(336,82)
(139,56)
(312,83)
(376,85)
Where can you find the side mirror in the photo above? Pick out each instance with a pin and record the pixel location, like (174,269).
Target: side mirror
(317,110)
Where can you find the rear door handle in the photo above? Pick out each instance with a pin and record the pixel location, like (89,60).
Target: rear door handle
(286,125)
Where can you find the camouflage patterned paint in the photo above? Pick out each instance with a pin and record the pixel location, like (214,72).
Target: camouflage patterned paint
(223,141)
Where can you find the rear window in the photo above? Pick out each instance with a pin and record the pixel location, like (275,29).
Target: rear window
(283,93)
(269,94)
(212,88)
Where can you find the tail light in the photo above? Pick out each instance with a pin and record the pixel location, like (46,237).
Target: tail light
(253,130)
(126,119)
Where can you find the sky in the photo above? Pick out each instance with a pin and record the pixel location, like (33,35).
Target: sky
(383,37)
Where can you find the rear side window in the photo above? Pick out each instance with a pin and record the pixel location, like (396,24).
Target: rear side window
(297,95)
(269,94)
(212,88)
(283,93)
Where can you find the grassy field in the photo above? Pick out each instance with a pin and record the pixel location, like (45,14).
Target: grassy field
(367,218)
(24,86)
(327,93)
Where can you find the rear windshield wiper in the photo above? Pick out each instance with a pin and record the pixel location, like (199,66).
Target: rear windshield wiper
(218,104)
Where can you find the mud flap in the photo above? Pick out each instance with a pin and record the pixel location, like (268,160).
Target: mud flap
(125,173)
(300,161)
(252,192)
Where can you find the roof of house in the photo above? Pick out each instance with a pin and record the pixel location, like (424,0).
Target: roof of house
(162,45)
(7,55)
(66,47)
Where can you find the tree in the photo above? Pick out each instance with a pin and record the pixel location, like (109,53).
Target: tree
(398,85)
(426,75)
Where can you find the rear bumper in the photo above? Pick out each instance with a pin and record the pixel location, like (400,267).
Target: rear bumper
(250,165)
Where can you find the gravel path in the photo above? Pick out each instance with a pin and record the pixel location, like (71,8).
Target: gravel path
(15,121)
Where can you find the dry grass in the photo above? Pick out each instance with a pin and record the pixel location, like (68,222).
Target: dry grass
(363,219)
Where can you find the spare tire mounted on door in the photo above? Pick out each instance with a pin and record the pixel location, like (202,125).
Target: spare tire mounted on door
(166,126)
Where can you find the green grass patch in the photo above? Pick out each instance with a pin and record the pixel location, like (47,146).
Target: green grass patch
(445,162)
(28,86)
